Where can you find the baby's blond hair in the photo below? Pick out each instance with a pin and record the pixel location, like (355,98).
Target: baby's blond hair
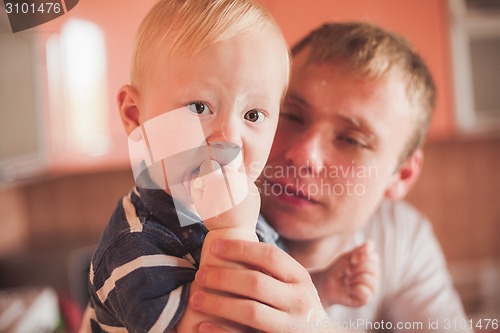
(187,26)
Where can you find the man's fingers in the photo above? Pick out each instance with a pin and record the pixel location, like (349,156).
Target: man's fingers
(262,256)
(243,311)
(211,328)
(247,283)
(208,327)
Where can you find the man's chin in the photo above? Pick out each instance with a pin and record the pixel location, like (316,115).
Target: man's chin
(291,227)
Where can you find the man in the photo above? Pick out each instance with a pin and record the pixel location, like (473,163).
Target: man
(347,149)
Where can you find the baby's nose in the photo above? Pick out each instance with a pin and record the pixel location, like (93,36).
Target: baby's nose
(225,152)
(226,128)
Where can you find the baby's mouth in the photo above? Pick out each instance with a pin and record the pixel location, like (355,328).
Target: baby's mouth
(195,178)
(192,178)
(232,159)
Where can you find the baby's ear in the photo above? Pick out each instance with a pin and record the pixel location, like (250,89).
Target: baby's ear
(406,175)
(128,104)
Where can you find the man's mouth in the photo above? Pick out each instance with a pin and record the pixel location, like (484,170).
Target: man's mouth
(290,193)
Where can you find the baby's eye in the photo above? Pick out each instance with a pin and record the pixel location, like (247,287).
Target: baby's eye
(254,116)
(199,108)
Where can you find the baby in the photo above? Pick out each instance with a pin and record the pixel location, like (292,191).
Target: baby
(207,80)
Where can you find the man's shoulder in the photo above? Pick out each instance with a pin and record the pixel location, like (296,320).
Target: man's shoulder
(397,218)
(397,212)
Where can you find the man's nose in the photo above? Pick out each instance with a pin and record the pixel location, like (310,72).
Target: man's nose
(307,152)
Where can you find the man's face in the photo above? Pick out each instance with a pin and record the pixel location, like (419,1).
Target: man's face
(231,93)
(335,152)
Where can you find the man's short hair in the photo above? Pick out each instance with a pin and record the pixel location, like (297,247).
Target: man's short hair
(185,27)
(373,52)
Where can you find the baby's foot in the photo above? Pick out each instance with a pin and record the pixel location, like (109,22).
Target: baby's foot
(352,278)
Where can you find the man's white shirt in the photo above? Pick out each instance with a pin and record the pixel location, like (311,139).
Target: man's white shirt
(415,292)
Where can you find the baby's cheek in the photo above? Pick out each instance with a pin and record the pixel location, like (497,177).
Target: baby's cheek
(254,169)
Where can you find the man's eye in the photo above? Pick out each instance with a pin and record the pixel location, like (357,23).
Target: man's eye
(290,117)
(352,142)
(199,108)
(254,116)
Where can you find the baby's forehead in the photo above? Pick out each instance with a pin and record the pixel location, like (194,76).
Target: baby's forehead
(234,50)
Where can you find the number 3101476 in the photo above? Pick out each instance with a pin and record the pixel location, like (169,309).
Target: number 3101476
(32,8)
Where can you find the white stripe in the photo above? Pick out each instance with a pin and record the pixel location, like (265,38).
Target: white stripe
(168,312)
(91,273)
(113,329)
(132,219)
(136,191)
(90,314)
(156,260)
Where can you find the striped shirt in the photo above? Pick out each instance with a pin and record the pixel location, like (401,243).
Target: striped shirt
(145,261)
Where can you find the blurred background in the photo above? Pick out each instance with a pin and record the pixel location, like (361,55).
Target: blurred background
(64,159)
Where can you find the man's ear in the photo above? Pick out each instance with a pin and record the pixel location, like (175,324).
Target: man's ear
(128,104)
(405,176)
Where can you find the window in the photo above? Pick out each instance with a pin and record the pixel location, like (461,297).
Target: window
(78,89)
(475,33)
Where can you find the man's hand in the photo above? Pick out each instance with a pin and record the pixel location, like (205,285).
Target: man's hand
(275,293)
